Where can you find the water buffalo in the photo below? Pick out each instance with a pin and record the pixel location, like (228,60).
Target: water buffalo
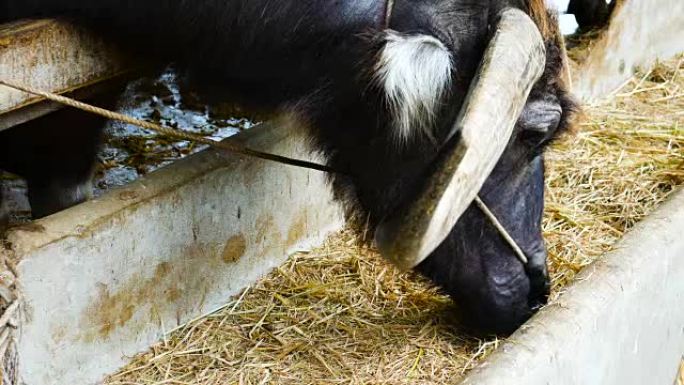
(380,84)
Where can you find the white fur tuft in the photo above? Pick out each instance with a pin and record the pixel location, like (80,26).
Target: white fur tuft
(415,73)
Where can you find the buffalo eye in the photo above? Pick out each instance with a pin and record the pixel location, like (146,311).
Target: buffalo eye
(540,119)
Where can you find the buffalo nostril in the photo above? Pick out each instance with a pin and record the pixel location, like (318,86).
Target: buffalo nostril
(538,302)
(540,285)
(540,288)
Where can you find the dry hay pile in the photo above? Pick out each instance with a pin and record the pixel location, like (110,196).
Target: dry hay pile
(340,314)
(624,160)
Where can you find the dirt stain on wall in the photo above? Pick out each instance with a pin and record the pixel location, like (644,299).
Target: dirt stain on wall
(298,228)
(235,249)
(178,288)
(267,237)
(114,309)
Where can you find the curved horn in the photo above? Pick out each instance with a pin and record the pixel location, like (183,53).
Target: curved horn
(512,63)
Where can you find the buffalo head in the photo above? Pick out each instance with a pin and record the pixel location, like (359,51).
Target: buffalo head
(481,132)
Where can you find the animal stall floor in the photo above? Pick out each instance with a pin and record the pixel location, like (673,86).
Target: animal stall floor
(340,314)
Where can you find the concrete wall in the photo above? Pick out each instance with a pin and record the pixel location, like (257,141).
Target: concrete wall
(641,31)
(102,281)
(621,323)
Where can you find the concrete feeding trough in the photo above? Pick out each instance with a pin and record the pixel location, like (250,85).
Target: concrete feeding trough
(640,33)
(104,280)
(622,322)
(85,288)
(89,287)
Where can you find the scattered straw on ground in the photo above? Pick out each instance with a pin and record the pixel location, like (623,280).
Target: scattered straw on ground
(337,315)
(340,314)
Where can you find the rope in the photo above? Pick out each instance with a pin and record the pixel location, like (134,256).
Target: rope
(235,148)
(502,230)
(224,145)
